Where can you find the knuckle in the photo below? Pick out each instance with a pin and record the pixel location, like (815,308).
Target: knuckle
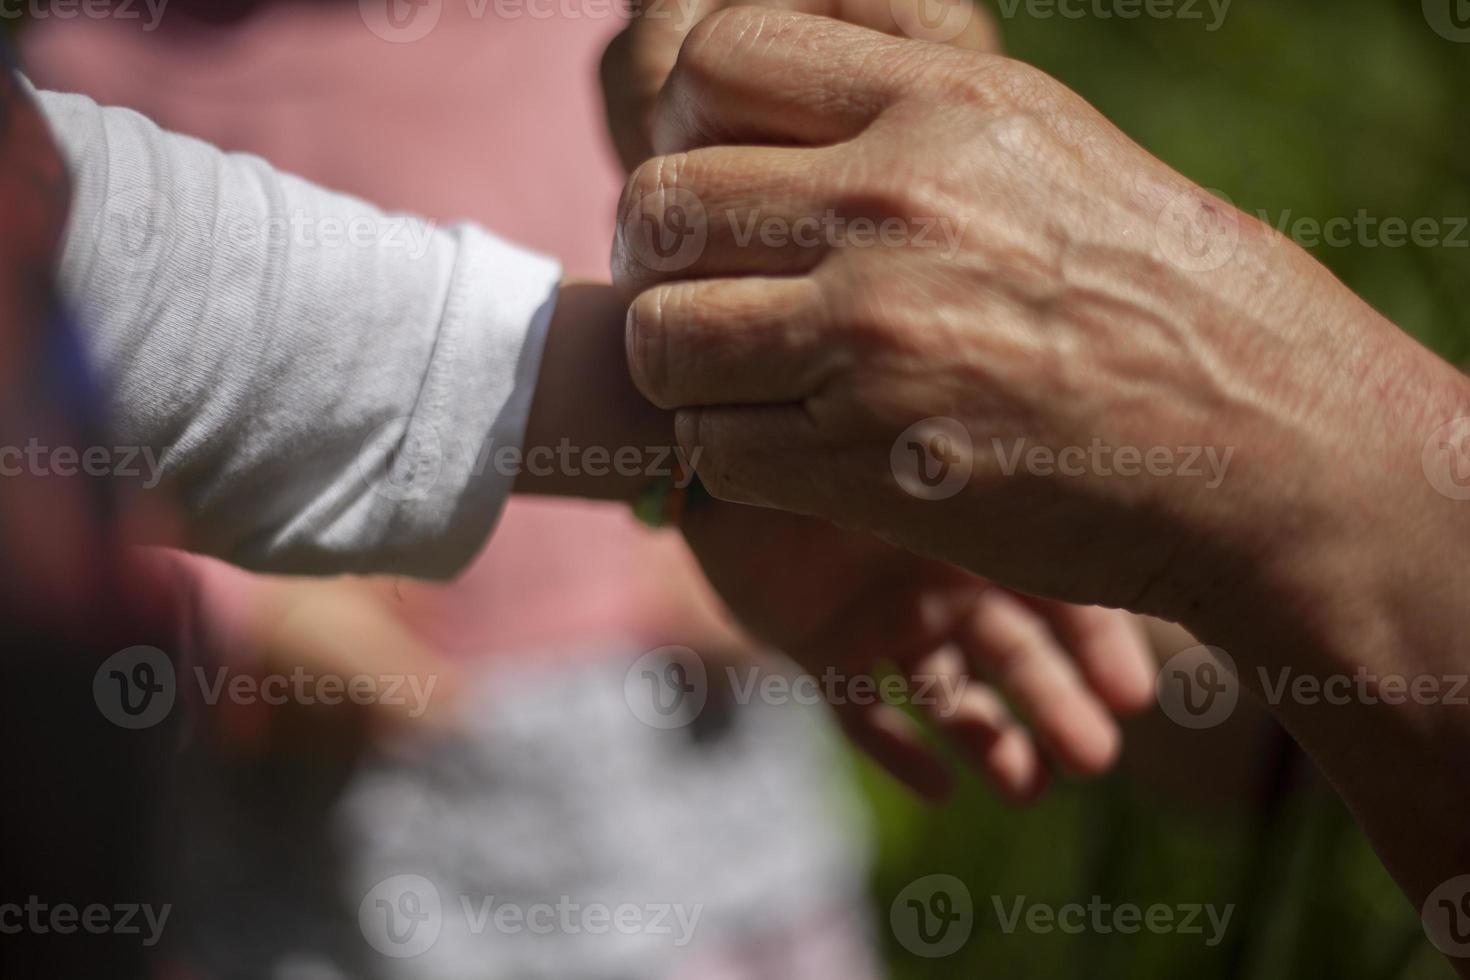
(867,318)
(885,195)
(877,320)
(1021,138)
(887,181)
(653,177)
(995,82)
(724,459)
(654,204)
(704,59)
(720,36)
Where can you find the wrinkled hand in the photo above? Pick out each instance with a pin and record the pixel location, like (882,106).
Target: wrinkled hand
(935,295)
(638,61)
(845,602)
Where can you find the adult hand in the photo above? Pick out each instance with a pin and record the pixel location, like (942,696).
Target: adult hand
(1105,317)
(937,296)
(842,604)
(638,61)
(845,601)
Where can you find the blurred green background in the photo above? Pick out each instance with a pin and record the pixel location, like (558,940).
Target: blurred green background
(1306,110)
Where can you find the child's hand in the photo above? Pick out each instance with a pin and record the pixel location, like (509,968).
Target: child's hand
(842,601)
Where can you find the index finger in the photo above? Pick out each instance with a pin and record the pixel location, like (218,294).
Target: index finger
(641,57)
(755,75)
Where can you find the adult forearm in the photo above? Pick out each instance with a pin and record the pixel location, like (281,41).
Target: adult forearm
(1351,624)
(1371,680)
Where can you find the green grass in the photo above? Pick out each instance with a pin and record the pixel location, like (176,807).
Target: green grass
(1307,897)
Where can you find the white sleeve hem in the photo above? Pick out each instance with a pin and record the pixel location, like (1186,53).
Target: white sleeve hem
(477,400)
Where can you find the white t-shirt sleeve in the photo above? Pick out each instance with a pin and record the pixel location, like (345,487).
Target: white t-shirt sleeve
(324,385)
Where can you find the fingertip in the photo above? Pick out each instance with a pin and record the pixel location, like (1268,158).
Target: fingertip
(1128,686)
(1015,769)
(1132,695)
(1095,754)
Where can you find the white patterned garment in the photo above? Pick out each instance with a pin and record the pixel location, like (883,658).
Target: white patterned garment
(316,377)
(733,847)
